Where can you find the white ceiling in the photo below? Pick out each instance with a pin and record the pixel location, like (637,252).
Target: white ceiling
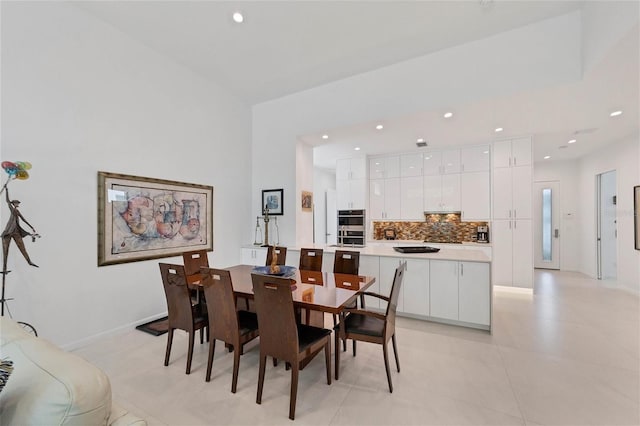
(285,47)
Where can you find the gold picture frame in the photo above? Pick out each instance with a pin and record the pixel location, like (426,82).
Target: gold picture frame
(307,201)
(141,218)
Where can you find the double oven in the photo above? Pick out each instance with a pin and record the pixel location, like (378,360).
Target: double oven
(351,228)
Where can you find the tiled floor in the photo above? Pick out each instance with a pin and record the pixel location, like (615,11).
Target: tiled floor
(568,354)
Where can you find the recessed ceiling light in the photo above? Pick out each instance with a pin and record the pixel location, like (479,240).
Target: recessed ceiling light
(616,113)
(499,129)
(237,17)
(379,127)
(428,157)
(325,136)
(485,152)
(420,140)
(357,148)
(448,114)
(572,141)
(546,157)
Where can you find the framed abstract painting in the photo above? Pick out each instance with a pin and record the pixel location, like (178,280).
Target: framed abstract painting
(142,218)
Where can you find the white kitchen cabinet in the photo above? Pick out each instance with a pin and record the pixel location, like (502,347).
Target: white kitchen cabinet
(384,199)
(443,284)
(460,291)
(475,196)
(411,198)
(254,256)
(388,267)
(410,165)
(351,168)
(441,192)
(384,167)
(475,159)
(512,152)
(441,162)
(512,253)
(370,266)
(351,183)
(350,194)
(416,287)
(512,192)
(474,293)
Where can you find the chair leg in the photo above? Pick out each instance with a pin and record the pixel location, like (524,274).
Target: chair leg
(169,342)
(236,367)
(275,362)
(212,348)
(294,391)
(354,347)
(263,365)
(327,359)
(386,366)
(395,351)
(202,335)
(337,354)
(190,352)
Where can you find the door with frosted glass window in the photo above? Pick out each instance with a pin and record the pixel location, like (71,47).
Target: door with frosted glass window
(546,211)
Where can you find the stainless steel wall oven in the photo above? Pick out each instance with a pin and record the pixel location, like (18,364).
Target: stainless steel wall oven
(351,228)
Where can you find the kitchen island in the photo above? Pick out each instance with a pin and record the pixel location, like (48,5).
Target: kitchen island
(452,286)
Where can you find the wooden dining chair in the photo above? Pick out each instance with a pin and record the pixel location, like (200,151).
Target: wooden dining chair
(182,313)
(373,327)
(226,323)
(347,262)
(311,259)
(193,261)
(281,253)
(282,337)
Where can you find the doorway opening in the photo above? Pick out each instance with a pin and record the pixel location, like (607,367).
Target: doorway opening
(606,226)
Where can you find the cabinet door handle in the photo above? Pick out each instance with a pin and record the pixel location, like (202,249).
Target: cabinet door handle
(509,224)
(462,167)
(509,213)
(461,269)
(515,161)
(515,224)
(515,215)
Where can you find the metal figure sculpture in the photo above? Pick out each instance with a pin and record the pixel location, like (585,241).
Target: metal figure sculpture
(13,231)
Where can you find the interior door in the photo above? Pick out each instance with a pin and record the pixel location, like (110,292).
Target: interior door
(546,214)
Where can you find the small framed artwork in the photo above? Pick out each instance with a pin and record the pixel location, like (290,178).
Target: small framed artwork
(141,218)
(636,215)
(307,201)
(272,199)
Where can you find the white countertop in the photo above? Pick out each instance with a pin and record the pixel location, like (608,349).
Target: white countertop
(466,254)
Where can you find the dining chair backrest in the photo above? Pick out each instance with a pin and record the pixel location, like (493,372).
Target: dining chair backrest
(346,262)
(393,297)
(221,303)
(193,261)
(276,317)
(281,253)
(178,297)
(311,259)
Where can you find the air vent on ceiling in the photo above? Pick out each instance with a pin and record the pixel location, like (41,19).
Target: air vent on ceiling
(586,131)
(421,144)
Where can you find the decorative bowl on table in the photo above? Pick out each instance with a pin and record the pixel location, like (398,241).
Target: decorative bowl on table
(285,271)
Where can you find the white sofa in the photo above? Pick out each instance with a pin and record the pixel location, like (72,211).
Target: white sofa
(49,386)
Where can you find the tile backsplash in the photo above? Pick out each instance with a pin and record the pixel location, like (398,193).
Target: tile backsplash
(437,227)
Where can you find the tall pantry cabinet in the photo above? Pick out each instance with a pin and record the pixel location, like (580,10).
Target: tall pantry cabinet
(512,228)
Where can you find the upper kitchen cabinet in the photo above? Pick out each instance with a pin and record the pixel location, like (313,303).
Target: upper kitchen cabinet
(441,162)
(410,165)
(351,183)
(351,168)
(384,167)
(475,159)
(512,152)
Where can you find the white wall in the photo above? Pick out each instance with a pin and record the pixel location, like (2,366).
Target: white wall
(535,56)
(79,96)
(566,173)
(623,158)
(322,181)
(304,182)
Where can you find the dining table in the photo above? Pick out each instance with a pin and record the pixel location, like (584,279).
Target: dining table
(312,291)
